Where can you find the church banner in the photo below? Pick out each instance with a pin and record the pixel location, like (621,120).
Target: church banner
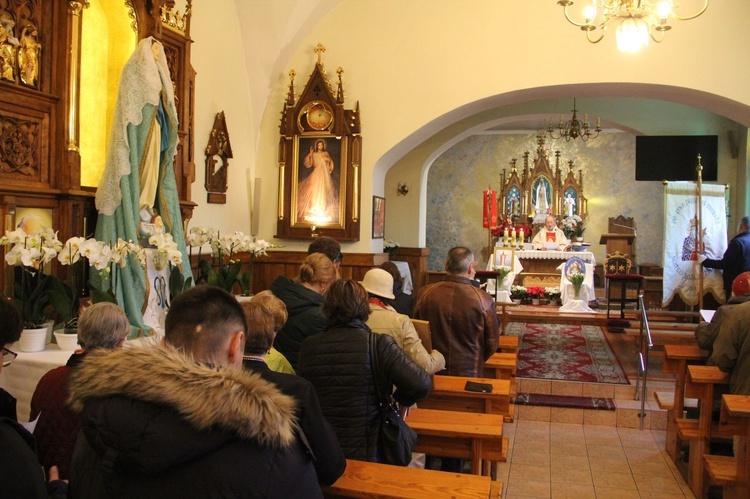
(681,266)
(489,213)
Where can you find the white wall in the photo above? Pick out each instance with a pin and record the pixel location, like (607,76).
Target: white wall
(418,66)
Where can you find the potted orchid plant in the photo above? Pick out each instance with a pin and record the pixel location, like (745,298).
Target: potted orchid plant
(225,270)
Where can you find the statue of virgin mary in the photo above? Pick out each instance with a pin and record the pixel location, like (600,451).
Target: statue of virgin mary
(139,181)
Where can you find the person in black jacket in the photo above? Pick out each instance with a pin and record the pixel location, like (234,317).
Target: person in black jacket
(183,419)
(303,298)
(337,363)
(403,303)
(21,472)
(736,259)
(328,457)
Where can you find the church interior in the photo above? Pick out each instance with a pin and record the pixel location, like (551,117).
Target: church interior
(415,109)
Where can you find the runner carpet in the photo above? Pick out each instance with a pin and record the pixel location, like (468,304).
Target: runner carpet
(567,352)
(606,404)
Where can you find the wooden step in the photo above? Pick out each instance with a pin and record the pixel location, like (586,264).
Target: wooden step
(507,344)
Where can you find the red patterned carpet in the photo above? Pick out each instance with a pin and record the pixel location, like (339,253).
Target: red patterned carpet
(567,352)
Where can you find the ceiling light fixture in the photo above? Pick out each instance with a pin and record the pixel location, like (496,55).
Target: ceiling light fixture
(574,128)
(636,20)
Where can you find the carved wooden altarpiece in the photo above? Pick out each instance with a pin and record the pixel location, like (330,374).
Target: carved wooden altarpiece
(319,161)
(528,193)
(40,74)
(218,152)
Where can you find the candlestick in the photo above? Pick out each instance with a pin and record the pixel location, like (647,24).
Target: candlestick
(520,238)
(513,237)
(505,237)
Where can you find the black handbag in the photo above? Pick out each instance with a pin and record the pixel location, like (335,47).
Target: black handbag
(395,439)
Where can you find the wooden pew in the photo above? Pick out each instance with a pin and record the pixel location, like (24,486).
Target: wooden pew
(507,344)
(478,437)
(501,366)
(448,394)
(703,383)
(733,473)
(423,331)
(373,480)
(676,360)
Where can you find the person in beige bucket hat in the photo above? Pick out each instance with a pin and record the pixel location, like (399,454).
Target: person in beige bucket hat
(385,320)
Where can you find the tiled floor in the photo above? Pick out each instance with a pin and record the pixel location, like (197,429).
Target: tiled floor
(558,460)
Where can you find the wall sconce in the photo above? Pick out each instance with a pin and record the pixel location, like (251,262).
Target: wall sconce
(403,189)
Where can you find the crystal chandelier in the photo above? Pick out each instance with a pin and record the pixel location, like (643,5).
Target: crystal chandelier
(635,21)
(574,128)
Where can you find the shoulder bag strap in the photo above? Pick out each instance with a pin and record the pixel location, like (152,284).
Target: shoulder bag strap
(376,369)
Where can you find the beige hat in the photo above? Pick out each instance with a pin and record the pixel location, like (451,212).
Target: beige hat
(379,282)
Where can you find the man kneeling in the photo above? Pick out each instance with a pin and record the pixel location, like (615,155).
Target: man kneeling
(183,419)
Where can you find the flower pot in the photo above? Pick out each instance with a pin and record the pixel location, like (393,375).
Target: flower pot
(517,301)
(66,341)
(535,301)
(33,340)
(579,239)
(49,325)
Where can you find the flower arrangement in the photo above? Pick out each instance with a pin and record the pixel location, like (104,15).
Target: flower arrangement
(535,292)
(390,247)
(577,281)
(518,292)
(35,291)
(223,250)
(503,272)
(552,293)
(572,226)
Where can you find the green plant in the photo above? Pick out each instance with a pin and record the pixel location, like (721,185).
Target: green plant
(577,281)
(518,292)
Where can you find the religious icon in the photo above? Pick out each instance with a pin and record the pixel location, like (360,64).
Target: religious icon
(318,181)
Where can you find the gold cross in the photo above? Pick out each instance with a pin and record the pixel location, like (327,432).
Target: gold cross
(319,49)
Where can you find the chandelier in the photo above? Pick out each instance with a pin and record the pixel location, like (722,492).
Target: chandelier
(636,20)
(574,128)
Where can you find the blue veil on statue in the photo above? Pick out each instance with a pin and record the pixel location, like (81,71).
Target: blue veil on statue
(138,185)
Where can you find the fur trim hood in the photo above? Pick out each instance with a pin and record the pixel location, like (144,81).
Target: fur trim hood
(204,396)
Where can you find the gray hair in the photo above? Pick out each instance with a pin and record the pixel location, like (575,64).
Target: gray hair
(102,325)
(459,260)
(745,222)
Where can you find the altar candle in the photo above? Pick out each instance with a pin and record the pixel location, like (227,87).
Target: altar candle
(513,237)
(520,237)
(505,237)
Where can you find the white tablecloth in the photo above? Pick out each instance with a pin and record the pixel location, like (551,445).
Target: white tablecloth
(586,256)
(567,293)
(21,377)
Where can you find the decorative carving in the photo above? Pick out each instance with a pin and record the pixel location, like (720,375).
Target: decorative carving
(8,48)
(29,55)
(539,189)
(19,144)
(174,20)
(218,146)
(319,160)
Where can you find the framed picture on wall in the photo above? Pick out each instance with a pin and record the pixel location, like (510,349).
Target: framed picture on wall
(378,216)
(319,182)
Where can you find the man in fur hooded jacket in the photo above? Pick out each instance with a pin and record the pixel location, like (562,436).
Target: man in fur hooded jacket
(183,419)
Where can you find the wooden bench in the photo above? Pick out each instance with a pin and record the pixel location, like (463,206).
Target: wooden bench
(676,360)
(501,366)
(448,394)
(478,437)
(733,473)
(702,383)
(374,480)
(507,344)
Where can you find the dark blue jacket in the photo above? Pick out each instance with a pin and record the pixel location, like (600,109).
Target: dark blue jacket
(735,261)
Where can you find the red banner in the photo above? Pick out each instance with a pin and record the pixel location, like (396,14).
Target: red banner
(489,212)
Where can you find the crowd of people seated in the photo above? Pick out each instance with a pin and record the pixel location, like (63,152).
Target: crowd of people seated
(264,398)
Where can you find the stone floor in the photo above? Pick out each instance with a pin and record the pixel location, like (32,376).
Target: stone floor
(562,460)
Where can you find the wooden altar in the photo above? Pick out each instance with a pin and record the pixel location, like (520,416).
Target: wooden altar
(528,194)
